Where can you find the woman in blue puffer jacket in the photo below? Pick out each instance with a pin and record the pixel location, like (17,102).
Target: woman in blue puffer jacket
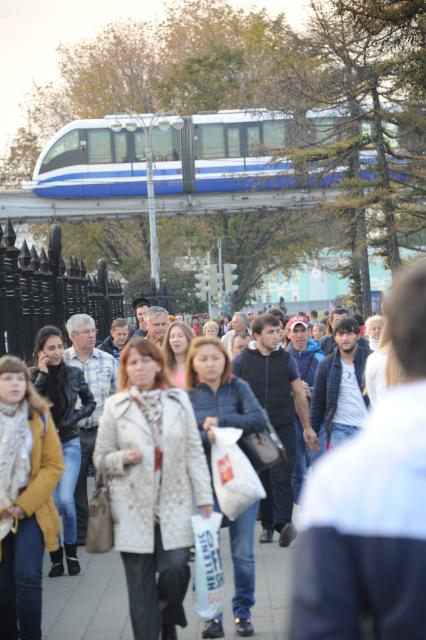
(220,400)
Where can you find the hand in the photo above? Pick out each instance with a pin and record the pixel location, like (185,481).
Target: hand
(311,439)
(209,422)
(206,510)
(306,389)
(133,456)
(16,512)
(43,361)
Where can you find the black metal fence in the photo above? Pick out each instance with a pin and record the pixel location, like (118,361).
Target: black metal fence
(37,289)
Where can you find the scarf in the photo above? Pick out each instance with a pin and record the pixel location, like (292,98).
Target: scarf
(14,462)
(151,406)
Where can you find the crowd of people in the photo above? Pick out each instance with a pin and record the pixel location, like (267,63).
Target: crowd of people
(141,407)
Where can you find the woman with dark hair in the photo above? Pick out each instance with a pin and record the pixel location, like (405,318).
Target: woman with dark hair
(149,446)
(176,343)
(30,466)
(220,400)
(63,386)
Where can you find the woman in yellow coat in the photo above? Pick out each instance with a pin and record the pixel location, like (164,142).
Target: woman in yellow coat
(31,464)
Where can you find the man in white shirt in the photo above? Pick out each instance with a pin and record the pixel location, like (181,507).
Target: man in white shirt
(337,397)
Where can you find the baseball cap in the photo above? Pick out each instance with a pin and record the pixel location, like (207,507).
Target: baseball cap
(298,320)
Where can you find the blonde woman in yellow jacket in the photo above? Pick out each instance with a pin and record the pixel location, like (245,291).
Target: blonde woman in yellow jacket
(31,464)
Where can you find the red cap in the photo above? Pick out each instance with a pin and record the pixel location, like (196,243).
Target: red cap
(298,320)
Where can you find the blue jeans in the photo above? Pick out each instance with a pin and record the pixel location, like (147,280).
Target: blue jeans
(63,494)
(20,582)
(241,536)
(341,432)
(304,458)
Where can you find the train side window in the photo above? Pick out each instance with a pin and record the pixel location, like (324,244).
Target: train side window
(165,145)
(99,144)
(253,139)
(210,143)
(326,130)
(233,142)
(68,143)
(162,145)
(274,134)
(120,147)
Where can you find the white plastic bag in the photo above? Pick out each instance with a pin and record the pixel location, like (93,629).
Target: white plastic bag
(208,586)
(236,483)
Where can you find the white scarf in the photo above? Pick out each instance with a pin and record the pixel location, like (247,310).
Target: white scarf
(14,461)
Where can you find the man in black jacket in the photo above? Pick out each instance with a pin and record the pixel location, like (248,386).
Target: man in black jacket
(274,378)
(118,338)
(337,397)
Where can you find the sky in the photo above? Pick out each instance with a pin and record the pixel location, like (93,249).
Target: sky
(31,30)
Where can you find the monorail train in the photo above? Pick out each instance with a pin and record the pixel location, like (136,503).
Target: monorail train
(225,151)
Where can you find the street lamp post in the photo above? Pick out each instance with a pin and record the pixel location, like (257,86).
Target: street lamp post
(163,122)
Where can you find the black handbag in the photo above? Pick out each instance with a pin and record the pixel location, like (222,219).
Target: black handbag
(263,449)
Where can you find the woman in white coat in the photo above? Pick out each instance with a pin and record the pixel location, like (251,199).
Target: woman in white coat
(149,446)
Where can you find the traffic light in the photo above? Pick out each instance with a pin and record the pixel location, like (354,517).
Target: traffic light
(230,278)
(213,279)
(201,286)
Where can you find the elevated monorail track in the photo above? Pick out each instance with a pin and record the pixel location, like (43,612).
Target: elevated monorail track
(25,207)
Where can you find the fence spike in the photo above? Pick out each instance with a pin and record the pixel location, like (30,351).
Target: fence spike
(35,260)
(25,255)
(10,237)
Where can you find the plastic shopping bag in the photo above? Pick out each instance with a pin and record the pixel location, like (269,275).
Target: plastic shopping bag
(208,587)
(236,483)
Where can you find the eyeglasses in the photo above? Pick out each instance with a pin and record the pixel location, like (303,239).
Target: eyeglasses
(86,332)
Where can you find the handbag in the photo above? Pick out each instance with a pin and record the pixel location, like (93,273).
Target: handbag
(100,533)
(263,449)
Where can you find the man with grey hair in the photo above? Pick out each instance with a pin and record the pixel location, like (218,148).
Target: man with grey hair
(239,342)
(157,321)
(100,372)
(239,324)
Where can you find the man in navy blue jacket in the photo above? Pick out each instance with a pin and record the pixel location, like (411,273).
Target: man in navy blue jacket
(337,397)
(308,355)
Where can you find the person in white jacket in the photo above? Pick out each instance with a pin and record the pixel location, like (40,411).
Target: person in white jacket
(150,448)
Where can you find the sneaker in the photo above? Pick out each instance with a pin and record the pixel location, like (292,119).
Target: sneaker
(287,535)
(244,628)
(267,535)
(213,629)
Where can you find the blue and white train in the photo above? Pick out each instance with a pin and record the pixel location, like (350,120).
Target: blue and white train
(225,151)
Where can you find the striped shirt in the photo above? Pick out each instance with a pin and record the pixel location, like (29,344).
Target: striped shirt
(100,372)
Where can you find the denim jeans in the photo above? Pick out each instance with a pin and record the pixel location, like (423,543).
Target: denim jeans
(304,458)
(341,432)
(63,494)
(87,442)
(241,537)
(20,582)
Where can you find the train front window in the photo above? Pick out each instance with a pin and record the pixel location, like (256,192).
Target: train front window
(69,142)
(99,141)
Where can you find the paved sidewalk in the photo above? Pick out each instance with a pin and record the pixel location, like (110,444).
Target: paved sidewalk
(93,605)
